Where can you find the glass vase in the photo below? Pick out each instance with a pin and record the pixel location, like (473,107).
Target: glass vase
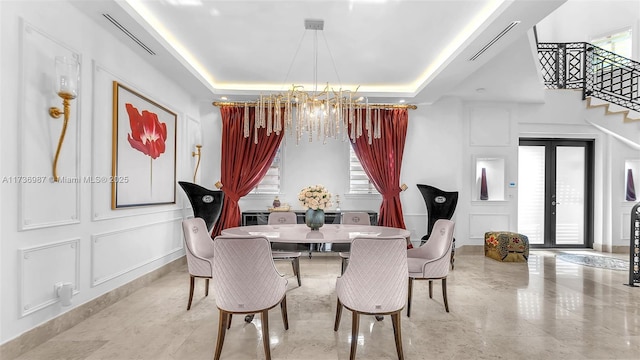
(314,219)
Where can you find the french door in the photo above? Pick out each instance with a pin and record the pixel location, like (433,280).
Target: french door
(555,192)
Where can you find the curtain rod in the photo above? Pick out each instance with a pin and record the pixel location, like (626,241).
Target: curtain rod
(371,106)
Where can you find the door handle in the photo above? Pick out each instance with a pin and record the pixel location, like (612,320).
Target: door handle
(553,203)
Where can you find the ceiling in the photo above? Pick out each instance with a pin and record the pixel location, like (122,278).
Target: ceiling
(416,51)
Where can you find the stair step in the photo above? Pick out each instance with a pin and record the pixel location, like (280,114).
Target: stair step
(613,109)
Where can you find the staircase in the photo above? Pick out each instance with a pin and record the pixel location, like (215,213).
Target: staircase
(607,80)
(628,116)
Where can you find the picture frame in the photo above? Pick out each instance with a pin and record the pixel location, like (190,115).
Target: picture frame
(144,151)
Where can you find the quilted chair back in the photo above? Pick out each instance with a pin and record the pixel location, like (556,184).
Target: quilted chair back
(376,279)
(244,275)
(282,217)
(199,247)
(356,218)
(437,250)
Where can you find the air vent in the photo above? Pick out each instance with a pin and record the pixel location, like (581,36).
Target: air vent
(494,40)
(129,34)
(313,24)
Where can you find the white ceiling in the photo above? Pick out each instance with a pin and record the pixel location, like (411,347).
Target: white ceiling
(418,51)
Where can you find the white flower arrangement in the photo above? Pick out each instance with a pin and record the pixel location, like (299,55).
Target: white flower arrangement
(315,197)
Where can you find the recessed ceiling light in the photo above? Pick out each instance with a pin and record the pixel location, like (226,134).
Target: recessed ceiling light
(401,101)
(223,98)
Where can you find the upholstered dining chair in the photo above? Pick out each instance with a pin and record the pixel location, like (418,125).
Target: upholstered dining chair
(280,251)
(431,260)
(375,282)
(199,250)
(354,218)
(246,281)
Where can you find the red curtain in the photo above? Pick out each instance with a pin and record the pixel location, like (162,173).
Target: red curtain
(244,163)
(382,161)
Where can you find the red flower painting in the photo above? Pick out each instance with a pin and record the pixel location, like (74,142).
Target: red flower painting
(148,134)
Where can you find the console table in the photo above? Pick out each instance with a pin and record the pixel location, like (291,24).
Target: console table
(261,217)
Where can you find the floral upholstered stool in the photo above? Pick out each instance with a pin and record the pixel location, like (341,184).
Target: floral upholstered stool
(506,246)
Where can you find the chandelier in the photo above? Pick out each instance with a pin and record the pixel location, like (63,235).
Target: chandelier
(323,114)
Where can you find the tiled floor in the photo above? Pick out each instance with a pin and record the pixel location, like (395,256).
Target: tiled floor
(545,309)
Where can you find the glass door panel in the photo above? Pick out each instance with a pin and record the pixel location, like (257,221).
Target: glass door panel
(531,195)
(570,191)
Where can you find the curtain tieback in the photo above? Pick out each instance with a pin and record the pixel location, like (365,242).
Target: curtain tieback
(230,194)
(392,193)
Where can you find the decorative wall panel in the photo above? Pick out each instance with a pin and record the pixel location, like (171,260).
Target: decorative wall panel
(42,267)
(481,223)
(118,252)
(625,221)
(44,203)
(101,149)
(489,127)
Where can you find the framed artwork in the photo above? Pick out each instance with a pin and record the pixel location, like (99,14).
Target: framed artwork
(144,151)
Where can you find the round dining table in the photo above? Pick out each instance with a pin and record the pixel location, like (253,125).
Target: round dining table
(328,233)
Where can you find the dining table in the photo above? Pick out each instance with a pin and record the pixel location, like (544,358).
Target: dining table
(328,233)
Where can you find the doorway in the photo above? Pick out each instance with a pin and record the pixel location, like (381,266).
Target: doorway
(555,192)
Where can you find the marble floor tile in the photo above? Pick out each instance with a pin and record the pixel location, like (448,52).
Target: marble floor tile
(544,309)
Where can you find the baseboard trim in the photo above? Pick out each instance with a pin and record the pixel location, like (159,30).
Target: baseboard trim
(614,249)
(40,334)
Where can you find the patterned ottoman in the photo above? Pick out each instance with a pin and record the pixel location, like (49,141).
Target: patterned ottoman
(506,246)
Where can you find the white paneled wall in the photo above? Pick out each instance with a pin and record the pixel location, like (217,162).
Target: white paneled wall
(115,253)
(39,135)
(37,277)
(67,232)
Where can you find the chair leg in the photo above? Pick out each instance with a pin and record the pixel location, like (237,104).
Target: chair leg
(444,294)
(192,281)
(283,309)
(206,287)
(338,316)
(343,266)
(409,296)
(229,321)
(355,323)
(430,289)
(222,329)
(296,269)
(265,334)
(397,332)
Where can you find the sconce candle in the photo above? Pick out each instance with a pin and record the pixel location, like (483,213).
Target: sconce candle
(67,79)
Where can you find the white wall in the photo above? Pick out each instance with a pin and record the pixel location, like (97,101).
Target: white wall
(583,20)
(68,232)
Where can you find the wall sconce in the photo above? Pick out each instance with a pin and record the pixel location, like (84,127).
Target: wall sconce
(67,79)
(197,153)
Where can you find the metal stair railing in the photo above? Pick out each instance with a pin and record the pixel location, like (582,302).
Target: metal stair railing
(597,72)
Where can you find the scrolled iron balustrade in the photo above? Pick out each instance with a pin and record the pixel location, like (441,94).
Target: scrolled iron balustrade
(597,72)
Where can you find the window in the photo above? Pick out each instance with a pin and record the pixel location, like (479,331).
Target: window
(270,183)
(359,182)
(618,43)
